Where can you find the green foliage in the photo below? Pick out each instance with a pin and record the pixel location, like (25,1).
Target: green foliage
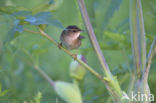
(37,98)
(3,93)
(42,18)
(20,50)
(116,37)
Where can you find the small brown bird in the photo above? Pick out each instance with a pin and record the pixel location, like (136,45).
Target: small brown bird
(71,38)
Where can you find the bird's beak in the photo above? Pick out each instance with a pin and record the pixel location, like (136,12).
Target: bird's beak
(81,37)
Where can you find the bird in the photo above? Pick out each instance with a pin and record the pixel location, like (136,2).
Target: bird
(70,37)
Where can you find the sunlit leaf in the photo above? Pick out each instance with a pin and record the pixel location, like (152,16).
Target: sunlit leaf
(38,97)
(3,93)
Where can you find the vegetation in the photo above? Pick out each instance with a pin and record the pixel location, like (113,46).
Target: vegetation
(116,58)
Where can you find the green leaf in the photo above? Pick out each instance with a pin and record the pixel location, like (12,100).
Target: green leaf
(14,31)
(4,93)
(104,10)
(114,5)
(116,37)
(38,97)
(43,18)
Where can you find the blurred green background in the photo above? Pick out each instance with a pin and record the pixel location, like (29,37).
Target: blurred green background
(110,20)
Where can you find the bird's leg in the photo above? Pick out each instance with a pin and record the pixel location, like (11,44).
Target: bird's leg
(74,56)
(60,45)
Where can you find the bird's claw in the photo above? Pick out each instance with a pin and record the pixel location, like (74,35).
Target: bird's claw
(74,56)
(60,45)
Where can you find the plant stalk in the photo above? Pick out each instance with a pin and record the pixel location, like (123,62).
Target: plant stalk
(111,82)
(93,38)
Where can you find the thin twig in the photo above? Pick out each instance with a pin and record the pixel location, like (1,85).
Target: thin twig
(39,69)
(26,30)
(149,62)
(68,52)
(93,38)
(45,76)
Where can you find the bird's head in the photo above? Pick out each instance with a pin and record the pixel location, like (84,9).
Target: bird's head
(73,31)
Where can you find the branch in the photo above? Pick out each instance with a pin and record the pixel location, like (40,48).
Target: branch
(45,76)
(67,51)
(38,69)
(149,62)
(35,32)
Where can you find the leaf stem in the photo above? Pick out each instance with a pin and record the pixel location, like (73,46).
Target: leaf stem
(35,32)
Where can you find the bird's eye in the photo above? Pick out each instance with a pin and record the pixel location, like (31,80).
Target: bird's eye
(74,30)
